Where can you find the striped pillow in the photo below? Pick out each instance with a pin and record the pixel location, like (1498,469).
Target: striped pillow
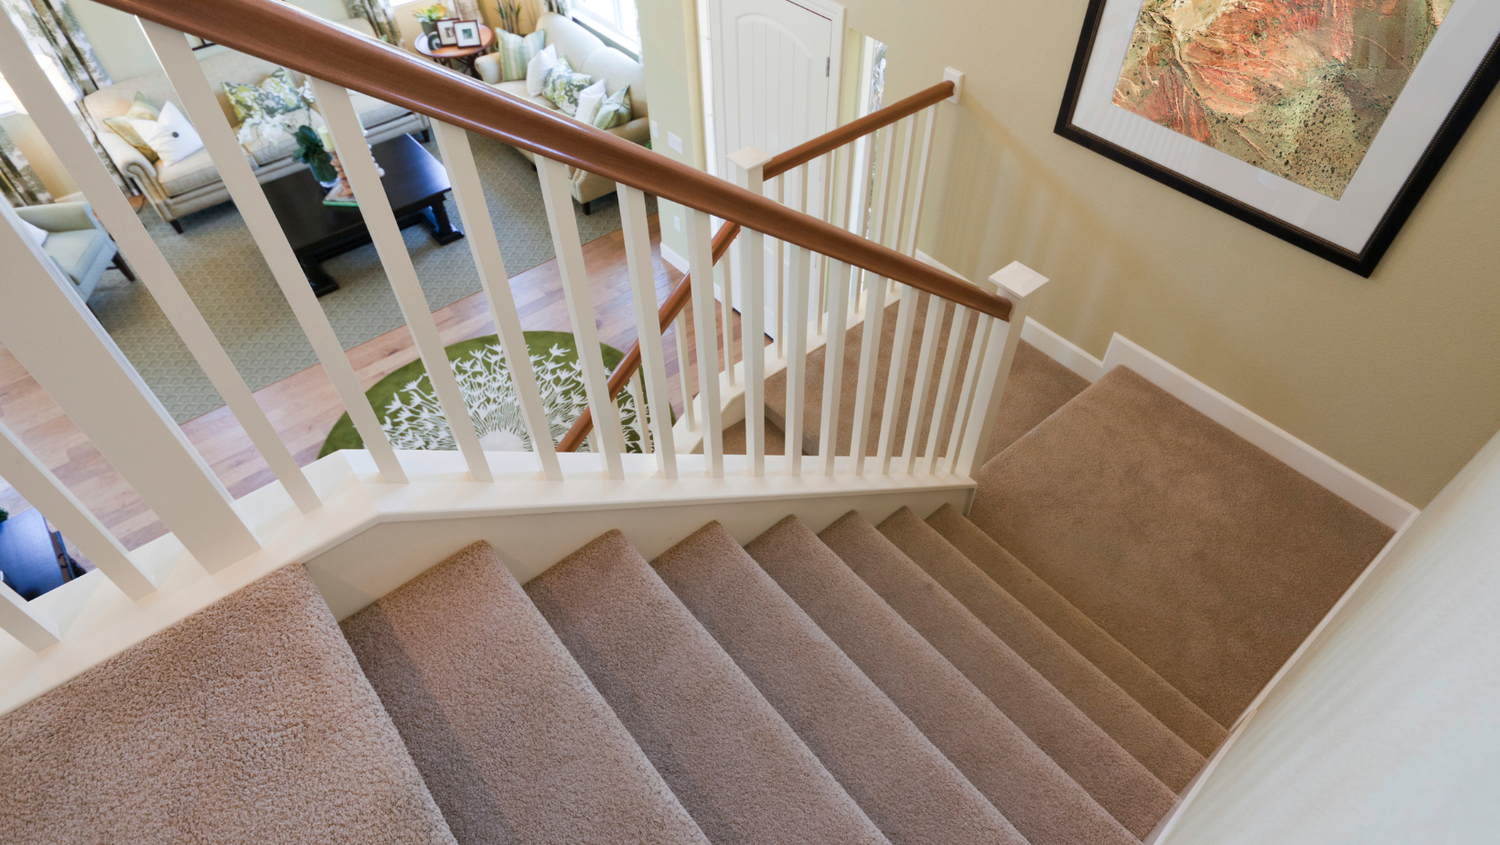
(516,51)
(615,110)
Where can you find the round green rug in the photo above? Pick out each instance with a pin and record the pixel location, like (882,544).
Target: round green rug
(412,418)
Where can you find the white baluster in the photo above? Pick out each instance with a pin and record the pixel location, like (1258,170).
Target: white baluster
(869,359)
(748,167)
(796,359)
(726,271)
(474,213)
(642,426)
(936,307)
(915,219)
(380,220)
(18,619)
(31,478)
(833,367)
(679,335)
(700,263)
(906,319)
(898,226)
(113,210)
(575,281)
(202,108)
(1019,283)
(648,326)
(983,324)
(776,271)
(951,357)
(50,331)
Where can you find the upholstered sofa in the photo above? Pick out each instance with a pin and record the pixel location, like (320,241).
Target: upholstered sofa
(587,54)
(193,184)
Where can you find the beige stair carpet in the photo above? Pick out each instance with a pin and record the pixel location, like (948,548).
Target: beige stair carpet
(1045,805)
(248,721)
(735,439)
(1119,782)
(1205,556)
(904,784)
(740,771)
(1173,761)
(1037,387)
(1162,699)
(512,739)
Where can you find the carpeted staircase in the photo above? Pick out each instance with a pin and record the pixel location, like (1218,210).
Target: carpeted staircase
(1051,669)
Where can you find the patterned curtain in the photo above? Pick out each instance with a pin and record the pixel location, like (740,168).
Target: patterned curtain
(18,181)
(378,13)
(561,7)
(467,10)
(64,51)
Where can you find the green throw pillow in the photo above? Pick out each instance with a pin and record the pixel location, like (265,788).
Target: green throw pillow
(276,94)
(140,109)
(615,110)
(564,85)
(516,51)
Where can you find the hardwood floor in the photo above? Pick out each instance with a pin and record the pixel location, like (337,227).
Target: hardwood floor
(304,406)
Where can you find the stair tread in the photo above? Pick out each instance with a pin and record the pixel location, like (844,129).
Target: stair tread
(1120,783)
(1173,761)
(500,719)
(735,439)
(1142,682)
(248,721)
(904,784)
(1045,805)
(1209,559)
(738,768)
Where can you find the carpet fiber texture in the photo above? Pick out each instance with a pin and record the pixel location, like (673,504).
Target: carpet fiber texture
(1045,805)
(249,721)
(741,772)
(904,784)
(230,283)
(1205,556)
(509,734)
(1120,783)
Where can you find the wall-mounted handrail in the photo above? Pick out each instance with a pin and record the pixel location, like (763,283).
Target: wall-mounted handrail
(795,157)
(292,38)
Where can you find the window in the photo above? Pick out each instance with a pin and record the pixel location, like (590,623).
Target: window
(614,19)
(11,104)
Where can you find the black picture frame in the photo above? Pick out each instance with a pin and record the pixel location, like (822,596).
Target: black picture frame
(1364,261)
(446,37)
(461,32)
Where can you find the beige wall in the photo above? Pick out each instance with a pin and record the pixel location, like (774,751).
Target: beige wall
(1397,376)
(1387,733)
(669,47)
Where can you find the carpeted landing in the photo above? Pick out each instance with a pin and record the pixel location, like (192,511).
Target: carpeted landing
(1052,669)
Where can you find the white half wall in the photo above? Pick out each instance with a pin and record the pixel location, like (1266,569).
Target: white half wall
(1389,730)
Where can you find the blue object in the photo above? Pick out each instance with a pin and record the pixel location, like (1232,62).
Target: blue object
(32,556)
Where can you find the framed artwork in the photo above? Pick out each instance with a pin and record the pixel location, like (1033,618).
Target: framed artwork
(1320,122)
(445,32)
(467,34)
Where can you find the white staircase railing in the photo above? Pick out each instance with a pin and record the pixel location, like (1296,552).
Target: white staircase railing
(62,346)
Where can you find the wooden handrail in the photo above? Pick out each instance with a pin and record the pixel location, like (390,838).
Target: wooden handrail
(801,154)
(856,129)
(287,36)
(676,301)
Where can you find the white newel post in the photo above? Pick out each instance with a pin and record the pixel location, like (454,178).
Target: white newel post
(1019,283)
(748,170)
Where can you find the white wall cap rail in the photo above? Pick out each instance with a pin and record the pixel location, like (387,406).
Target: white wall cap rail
(51,332)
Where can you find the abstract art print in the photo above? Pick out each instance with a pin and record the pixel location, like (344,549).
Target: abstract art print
(1321,121)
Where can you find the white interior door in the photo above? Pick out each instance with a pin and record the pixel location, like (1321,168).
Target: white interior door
(775,82)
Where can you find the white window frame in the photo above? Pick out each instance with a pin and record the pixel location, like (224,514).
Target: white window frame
(609,28)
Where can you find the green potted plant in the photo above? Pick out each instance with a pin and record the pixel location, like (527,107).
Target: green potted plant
(311,152)
(428,16)
(4,515)
(510,15)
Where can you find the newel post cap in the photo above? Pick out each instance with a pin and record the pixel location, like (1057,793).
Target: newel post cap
(1017,280)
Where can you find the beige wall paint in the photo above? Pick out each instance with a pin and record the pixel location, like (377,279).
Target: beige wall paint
(669,47)
(1397,376)
(1386,732)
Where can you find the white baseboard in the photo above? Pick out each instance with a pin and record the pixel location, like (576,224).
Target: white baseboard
(1337,478)
(671,257)
(1062,350)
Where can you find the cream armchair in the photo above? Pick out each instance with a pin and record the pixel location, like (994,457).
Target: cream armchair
(587,54)
(76,242)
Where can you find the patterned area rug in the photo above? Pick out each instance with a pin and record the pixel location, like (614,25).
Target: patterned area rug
(409,412)
(231,284)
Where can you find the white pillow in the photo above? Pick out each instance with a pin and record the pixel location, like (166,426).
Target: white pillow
(589,100)
(170,135)
(36,233)
(537,69)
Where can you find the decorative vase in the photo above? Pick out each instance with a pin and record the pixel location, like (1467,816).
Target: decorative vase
(428,27)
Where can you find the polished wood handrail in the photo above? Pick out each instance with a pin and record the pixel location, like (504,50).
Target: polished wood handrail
(856,129)
(293,38)
(679,298)
(676,301)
